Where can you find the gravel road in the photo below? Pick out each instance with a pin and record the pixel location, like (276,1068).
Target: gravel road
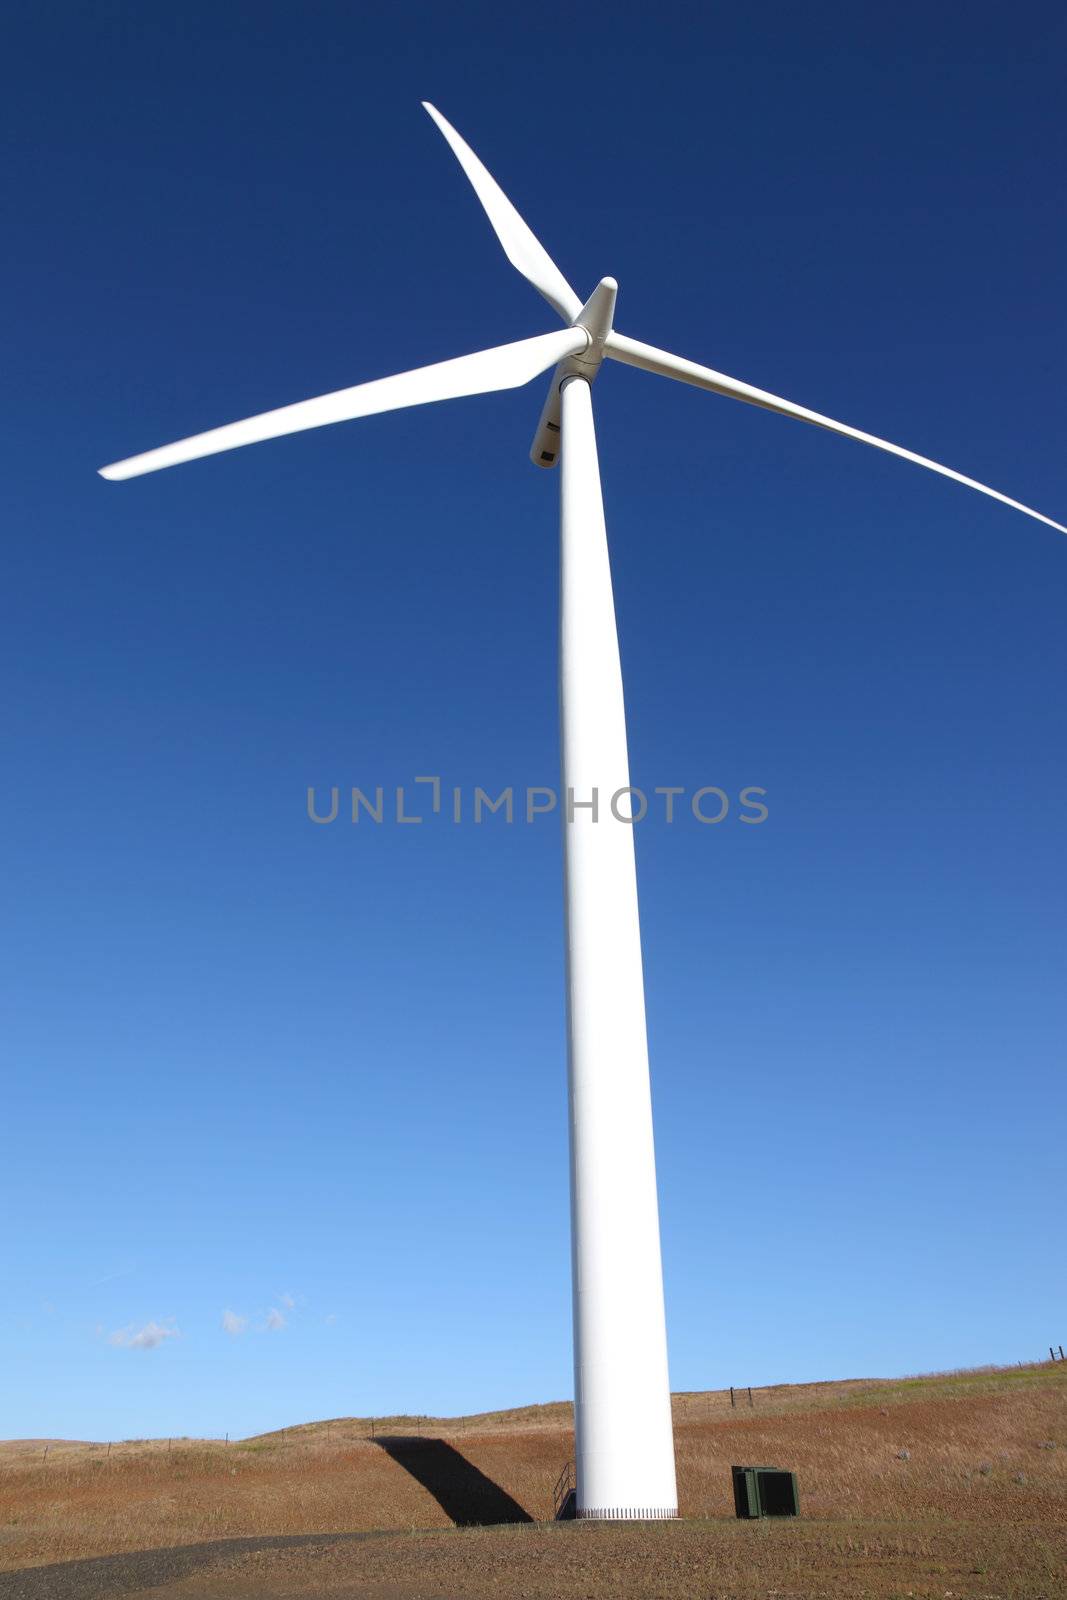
(108,1577)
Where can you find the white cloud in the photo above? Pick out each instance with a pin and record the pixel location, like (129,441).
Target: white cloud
(275,1319)
(330,1319)
(288,1302)
(146,1338)
(234,1323)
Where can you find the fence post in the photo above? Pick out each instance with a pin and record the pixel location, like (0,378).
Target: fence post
(750,1394)
(733,1402)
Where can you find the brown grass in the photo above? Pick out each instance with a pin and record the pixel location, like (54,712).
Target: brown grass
(682,1561)
(979,1502)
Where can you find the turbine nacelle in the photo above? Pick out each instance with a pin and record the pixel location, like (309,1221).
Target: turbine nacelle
(596,318)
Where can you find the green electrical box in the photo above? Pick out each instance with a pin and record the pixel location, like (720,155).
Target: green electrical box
(765,1492)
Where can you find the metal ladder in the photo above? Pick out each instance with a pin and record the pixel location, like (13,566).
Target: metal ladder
(565,1495)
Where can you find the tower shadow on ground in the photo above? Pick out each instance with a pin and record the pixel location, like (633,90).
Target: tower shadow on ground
(466,1495)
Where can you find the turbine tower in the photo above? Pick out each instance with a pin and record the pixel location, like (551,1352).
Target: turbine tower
(624,1450)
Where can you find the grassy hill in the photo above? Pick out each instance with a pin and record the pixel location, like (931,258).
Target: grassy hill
(955,1481)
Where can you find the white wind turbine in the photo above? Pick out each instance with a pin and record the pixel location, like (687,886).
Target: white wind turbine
(624,1450)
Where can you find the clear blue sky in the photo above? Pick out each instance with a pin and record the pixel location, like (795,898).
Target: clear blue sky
(257,1066)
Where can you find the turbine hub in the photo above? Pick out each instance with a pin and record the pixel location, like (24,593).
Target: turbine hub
(595,318)
(599,309)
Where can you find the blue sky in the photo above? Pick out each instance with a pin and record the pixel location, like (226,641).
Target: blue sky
(314,1076)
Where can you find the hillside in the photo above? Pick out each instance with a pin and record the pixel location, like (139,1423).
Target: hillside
(962,1473)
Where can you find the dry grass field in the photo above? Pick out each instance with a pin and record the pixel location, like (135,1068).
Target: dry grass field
(950,1485)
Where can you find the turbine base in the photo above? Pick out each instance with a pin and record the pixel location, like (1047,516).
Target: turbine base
(627,1514)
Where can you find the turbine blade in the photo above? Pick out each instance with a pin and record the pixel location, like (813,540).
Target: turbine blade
(505,367)
(636,354)
(526,254)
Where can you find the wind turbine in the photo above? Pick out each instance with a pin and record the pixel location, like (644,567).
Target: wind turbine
(624,1448)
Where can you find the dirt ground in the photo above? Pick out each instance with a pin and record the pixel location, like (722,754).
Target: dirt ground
(953,1485)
